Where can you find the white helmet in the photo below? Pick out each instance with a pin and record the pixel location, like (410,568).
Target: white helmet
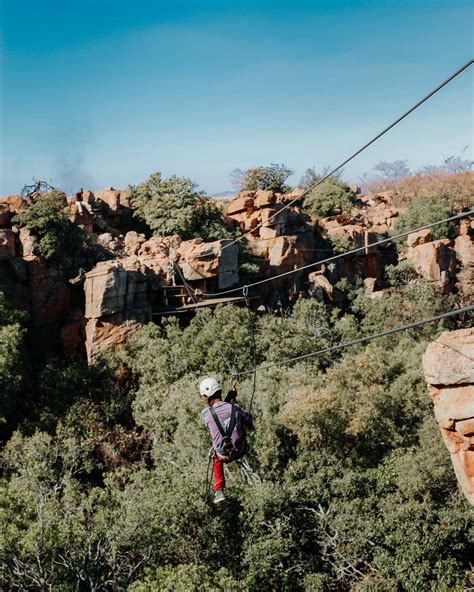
(209,387)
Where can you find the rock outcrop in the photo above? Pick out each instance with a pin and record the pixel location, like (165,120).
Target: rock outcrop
(121,294)
(448,364)
(116,303)
(114,198)
(464,247)
(282,236)
(7,244)
(435,260)
(448,262)
(9,206)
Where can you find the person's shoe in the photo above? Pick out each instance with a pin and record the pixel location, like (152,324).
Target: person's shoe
(219,496)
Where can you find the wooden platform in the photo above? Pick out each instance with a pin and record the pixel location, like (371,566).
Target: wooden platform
(189,307)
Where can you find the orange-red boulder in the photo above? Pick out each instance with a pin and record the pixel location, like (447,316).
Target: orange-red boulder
(448,364)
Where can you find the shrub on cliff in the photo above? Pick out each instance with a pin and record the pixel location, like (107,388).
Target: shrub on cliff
(424,210)
(271,178)
(175,206)
(329,198)
(47,218)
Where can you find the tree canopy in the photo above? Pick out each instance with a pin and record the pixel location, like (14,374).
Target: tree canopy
(347,485)
(425,210)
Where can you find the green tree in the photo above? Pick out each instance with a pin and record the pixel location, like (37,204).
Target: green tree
(311,176)
(11,377)
(47,218)
(307,329)
(414,301)
(271,178)
(393,170)
(175,206)
(187,577)
(347,486)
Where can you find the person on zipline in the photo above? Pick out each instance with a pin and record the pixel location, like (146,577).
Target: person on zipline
(227,423)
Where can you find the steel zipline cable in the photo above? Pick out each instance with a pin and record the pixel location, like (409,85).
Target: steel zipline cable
(359,151)
(254,344)
(216,344)
(345,344)
(346,254)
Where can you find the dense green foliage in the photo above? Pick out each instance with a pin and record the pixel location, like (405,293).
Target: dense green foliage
(11,371)
(348,485)
(175,206)
(271,178)
(331,197)
(55,235)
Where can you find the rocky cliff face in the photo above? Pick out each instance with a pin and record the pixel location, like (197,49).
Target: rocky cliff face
(449,262)
(121,294)
(101,306)
(449,371)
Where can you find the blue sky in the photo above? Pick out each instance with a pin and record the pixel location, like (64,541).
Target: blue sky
(105,92)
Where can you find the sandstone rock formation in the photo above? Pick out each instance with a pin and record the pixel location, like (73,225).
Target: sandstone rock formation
(282,237)
(435,260)
(116,303)
(322,289)
(120,294)
(72,333)
(114,198)
(448,364)
(445,261)
(49,293)
(9,206)
(199,260)
(464,247)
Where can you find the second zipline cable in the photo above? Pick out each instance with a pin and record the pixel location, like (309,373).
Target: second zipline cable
(346,254)
(343,345)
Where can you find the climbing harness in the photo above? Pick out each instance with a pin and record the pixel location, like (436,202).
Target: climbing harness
(225,451)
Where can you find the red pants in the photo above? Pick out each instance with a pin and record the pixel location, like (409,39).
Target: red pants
(218,468)
(218,472)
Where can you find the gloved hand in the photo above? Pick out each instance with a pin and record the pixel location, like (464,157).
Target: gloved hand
(231,395)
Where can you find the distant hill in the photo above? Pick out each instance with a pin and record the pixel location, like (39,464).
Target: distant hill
(223,194)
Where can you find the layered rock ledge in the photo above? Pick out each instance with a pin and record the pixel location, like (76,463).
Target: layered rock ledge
(448,365)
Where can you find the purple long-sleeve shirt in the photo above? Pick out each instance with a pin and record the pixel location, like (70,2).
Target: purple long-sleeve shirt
(223,410)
